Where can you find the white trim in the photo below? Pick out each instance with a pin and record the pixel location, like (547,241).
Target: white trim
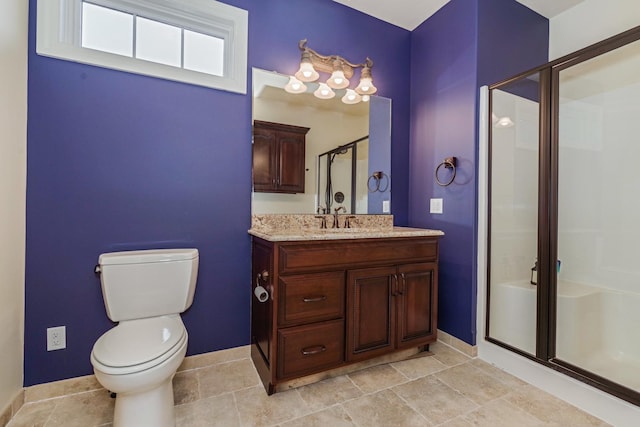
(596,402)
(57,36)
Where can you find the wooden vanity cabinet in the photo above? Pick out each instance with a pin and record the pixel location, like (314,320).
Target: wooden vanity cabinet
(336,302)
(278,157)
(390,308)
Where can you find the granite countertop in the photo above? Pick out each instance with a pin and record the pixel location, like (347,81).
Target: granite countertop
(284,235)
(297,227)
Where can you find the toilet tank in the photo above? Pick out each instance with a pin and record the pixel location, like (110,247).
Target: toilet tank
(139,284)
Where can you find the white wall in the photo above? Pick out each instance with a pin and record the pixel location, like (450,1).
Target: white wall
(590,22)
(13,144)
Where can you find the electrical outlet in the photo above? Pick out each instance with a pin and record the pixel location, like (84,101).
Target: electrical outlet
(386,206)
(56,338)
(435,206)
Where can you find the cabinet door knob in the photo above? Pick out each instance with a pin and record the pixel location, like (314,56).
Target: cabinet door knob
(308,351)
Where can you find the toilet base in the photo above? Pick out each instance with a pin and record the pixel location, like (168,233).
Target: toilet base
(150,408)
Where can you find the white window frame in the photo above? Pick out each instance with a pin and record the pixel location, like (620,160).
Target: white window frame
(58,35)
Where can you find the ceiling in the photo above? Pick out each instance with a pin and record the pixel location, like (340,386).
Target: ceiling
(409,14)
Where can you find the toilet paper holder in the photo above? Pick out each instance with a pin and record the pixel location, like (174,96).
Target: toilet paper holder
(261,292)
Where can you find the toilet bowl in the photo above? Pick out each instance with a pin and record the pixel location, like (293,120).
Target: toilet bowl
(137,359)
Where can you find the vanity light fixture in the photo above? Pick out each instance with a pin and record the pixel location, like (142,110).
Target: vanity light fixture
(341,71)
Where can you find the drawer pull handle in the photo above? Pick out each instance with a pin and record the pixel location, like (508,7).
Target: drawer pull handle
(316,349)
(314,299)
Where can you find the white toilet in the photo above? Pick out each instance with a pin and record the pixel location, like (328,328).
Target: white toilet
(145,291)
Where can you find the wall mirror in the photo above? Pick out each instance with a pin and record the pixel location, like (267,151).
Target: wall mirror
(347,153)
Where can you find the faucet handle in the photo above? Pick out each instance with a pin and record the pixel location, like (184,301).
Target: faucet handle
(321,209)
(347,221)
(323,221)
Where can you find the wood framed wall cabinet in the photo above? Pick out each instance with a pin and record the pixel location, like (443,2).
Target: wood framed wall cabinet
(278,157)
(334,303)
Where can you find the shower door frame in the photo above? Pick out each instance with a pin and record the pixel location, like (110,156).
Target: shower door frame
(547,250)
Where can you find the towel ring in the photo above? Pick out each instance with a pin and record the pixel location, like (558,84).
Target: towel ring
(448,163)
(374,181)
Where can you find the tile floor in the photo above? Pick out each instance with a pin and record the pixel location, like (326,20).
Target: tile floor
(445,389)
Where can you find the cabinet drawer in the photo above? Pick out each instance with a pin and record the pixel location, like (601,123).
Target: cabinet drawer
(311,298)
(321,255)
(308,349)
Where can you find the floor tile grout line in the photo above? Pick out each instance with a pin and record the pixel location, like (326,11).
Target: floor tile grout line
(407,404)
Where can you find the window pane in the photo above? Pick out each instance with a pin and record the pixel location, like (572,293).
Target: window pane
(107,30)
(158,42)
(203,53)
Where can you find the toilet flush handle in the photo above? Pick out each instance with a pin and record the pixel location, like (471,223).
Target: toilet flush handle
(97,269)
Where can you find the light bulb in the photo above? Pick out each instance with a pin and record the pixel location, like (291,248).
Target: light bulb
(324,92)
(366,86)
(505,122)
(338,80)
(365,98)
(307,73)
(295,86)
(351,97)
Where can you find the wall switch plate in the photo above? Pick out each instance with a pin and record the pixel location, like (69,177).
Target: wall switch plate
(385,206)
(435,206)
(56,338)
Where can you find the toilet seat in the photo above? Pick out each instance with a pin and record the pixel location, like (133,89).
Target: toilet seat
(137,345)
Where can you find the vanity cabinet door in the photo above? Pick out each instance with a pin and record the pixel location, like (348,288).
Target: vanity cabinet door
(416,302)
(371,311)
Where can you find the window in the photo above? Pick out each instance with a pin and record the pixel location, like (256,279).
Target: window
(203,42)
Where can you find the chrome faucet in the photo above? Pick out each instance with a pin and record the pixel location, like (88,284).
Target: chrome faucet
(336,223)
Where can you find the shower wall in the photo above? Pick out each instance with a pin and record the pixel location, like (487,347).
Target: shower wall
(514,191)
(598,222)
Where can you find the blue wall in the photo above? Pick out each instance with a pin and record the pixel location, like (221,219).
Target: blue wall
(466,44)
(119,161)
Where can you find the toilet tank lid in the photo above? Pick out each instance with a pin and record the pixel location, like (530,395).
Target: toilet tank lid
(147,256)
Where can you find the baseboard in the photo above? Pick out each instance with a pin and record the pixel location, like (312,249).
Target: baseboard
(458,344)
(11,410)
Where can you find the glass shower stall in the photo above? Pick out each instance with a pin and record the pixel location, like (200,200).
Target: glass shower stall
(564,215)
